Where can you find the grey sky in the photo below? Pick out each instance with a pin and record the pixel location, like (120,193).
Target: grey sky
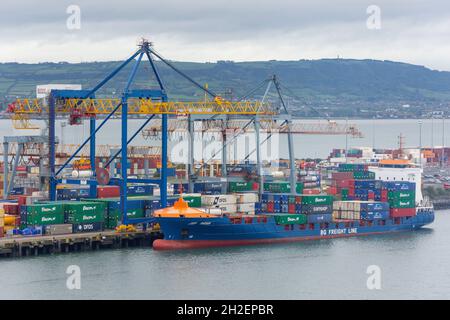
(411,31)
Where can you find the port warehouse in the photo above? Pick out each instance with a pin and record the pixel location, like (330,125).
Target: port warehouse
(97,202)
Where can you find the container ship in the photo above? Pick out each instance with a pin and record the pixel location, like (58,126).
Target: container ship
(359,200)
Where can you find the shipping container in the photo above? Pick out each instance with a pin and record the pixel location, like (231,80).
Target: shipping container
(240,186)
(87,227)
(246,197)
(108,191)
(374,215)
(213,200)
(317,199)
(85,212)
(402,212)
(291,219)
(57,229)
(402,203)
(193,199)
(316,209)
(319,218)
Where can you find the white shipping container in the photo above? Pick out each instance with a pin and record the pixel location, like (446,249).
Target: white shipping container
(228,208)
(214,200)
(246,207)
(246,197)
(217,211)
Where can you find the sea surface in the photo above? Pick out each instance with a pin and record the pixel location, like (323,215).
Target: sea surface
(411,265)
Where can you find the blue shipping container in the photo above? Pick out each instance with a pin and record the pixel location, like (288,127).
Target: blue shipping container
(374,215)
(319,218)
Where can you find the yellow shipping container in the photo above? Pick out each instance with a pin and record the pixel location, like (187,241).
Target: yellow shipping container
(2,222)
(2,212)
(10,220)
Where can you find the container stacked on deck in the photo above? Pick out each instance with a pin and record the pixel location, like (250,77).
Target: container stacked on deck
(242,186)
(360,210)
(281,203)
(246,203)
(309,178)
(401,197)
(282,187)
(218,204)
(354,182)
(317,208)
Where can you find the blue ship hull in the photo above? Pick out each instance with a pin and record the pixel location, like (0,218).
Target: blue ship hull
(185,233)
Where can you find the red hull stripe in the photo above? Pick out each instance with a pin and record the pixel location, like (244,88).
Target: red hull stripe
(161,244)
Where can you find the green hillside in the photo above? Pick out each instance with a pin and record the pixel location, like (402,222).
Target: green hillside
(339,87)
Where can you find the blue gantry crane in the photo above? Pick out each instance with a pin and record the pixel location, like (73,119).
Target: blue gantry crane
(147,103)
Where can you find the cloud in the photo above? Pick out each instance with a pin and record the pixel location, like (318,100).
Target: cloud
(411,31)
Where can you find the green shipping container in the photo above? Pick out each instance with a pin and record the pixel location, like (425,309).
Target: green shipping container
(291,219)
(194,201)
(317,199)
(240,186)
(45,208)
(45,218)
(131,214)
(282,187)
(402,203)
(405,195)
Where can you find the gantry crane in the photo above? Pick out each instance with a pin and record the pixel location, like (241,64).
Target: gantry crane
(149,104)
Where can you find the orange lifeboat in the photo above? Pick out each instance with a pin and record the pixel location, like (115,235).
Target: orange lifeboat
(181,209)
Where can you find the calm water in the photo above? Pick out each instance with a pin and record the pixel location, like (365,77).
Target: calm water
(377,133)
(413,265)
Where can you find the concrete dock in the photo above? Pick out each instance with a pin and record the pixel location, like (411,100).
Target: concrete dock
(22,246)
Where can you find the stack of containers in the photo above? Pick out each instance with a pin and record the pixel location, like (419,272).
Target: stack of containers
(85,216)
(227,203)
(317,208)
(112,211)
(360,210)
(41,214)
(402,198)
(246,203)
(309,178)
(281,203)
(2,222)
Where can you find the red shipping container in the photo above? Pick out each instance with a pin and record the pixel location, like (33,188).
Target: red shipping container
(270,207)
(11,208)
(311,191)
(255,186)
(371,195)
(291,208)
(351,191)
(342,175)
(402,212)
(108,191)
(298,199)
(332,190)
(22,200)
